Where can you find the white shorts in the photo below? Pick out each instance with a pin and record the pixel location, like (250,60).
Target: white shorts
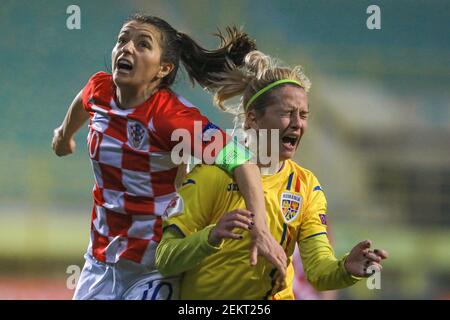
(124,280)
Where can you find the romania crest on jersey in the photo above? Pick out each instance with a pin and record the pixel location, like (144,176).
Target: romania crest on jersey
(291,205)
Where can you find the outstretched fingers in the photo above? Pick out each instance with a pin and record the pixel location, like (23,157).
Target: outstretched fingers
(362,261)
(383,254)
(266,246)
(371,256)
(366,244)
(278,259)
(239,218)
(253,254)
(236,219)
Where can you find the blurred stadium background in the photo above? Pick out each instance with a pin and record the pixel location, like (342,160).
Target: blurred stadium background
(378,139)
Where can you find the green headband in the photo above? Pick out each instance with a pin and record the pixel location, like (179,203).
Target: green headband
(267,88)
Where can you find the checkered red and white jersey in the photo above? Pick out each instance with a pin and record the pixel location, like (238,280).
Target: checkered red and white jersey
(130,151)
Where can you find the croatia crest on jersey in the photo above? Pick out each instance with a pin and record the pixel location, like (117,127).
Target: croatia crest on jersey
(290,206)
(136,134)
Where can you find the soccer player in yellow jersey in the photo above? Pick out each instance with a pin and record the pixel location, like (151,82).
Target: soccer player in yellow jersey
(205,237)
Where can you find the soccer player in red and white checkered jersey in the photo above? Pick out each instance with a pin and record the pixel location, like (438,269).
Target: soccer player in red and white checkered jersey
(132,114)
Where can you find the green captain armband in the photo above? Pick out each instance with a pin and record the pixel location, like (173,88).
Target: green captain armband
(232,156)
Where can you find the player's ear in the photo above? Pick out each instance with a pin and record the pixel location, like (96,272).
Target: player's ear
(165,69)
(250,120)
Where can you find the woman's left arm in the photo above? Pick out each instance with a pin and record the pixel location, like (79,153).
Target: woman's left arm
(325,272)
(248,178)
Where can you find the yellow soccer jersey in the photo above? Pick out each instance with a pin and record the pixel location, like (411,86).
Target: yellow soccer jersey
(296,210)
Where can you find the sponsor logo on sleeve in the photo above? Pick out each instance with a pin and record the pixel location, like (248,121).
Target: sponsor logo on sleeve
(323,218)
(188,181)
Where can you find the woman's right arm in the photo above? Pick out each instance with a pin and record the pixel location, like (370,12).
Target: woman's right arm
(177,253)
(63,142)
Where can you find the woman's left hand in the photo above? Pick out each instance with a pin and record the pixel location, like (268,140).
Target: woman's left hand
(363,262)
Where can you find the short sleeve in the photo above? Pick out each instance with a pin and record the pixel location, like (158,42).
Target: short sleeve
(182,124)
(97,86)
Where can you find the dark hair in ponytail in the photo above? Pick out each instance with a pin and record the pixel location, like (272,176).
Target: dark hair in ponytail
(202,65)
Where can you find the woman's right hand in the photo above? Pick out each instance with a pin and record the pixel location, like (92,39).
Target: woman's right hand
(264,244)
(238,218)
(60,145)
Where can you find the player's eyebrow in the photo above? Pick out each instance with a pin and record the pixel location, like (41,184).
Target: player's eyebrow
(292,107)
(146,35)
(289,107)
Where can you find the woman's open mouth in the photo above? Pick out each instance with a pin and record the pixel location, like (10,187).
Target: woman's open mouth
(290,142)
(124,65)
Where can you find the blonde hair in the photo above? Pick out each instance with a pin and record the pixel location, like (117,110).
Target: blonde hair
(258,71)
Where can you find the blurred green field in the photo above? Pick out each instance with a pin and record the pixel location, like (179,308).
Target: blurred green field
(45,243)
(43,234)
